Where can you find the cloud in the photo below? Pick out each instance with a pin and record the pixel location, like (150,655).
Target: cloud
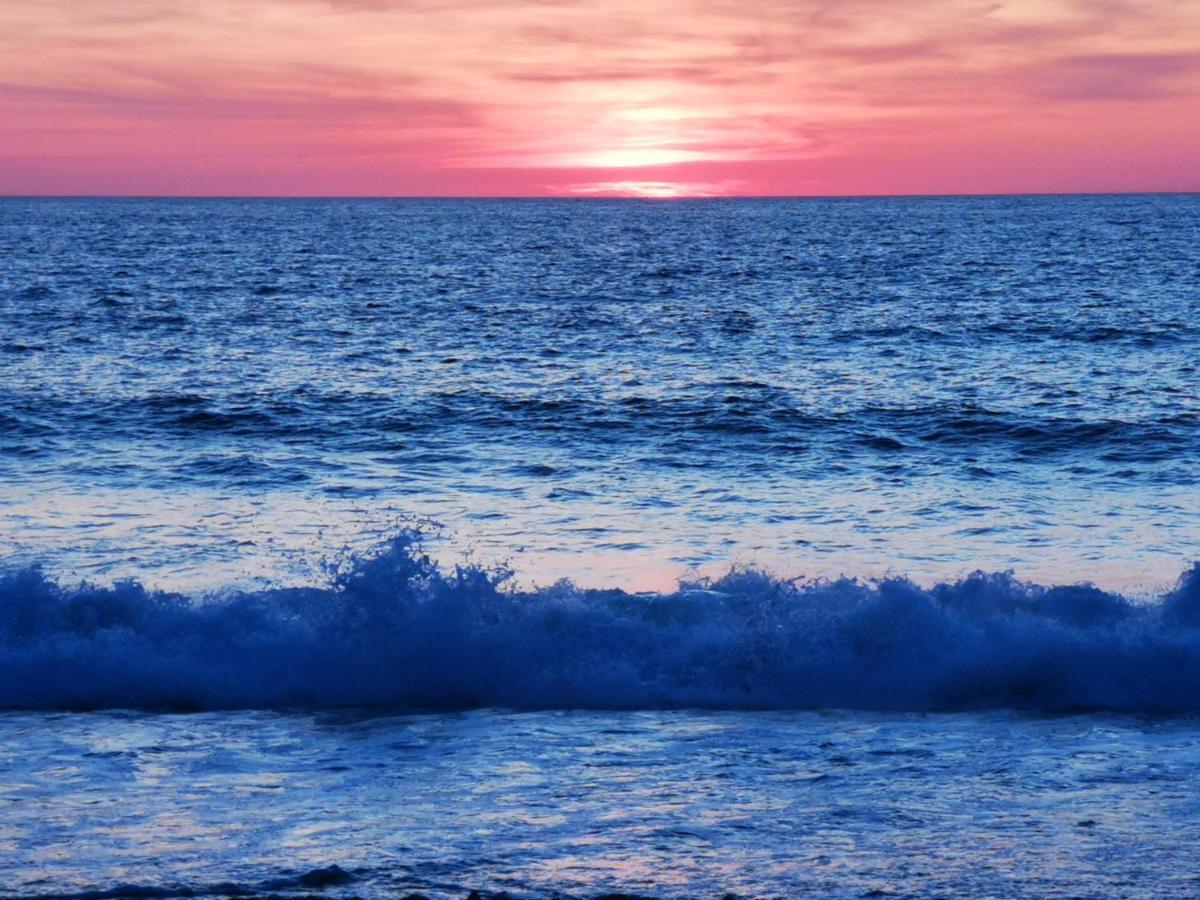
(1119,76)
(197,103)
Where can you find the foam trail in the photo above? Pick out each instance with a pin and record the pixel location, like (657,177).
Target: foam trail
(395,631)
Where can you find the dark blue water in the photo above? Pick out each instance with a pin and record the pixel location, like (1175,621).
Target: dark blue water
(265,462)
(198,393)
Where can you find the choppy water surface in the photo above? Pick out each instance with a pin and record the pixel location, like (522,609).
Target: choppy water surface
(576,804)
(200,392)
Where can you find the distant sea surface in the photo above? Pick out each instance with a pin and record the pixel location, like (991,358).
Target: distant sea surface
(842,547)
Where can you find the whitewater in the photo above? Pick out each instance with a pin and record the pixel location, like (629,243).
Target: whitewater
(567,548)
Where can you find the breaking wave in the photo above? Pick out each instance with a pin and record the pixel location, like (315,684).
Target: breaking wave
(393,630)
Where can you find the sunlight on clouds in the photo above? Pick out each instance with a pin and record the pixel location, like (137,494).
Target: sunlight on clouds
(632,157)
(646,136)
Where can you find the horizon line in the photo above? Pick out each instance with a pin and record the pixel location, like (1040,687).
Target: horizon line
(602,198)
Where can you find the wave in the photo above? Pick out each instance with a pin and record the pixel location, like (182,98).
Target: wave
(739,417)
(393,630)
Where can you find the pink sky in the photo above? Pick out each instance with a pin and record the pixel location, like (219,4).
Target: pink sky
(624,97)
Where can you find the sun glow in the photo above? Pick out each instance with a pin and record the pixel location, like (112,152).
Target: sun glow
(635,157)
(631,133)
(657,190)
(650,190)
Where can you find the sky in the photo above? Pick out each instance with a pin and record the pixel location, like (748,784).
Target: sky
(586,98)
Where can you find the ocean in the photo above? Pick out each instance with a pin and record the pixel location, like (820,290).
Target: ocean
(569,547)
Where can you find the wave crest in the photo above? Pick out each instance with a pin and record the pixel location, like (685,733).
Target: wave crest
(393,630)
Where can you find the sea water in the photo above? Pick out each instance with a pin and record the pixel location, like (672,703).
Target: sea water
(752,546)
(579,804)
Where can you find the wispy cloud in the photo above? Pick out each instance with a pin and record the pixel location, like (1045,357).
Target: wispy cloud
(1119,76)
